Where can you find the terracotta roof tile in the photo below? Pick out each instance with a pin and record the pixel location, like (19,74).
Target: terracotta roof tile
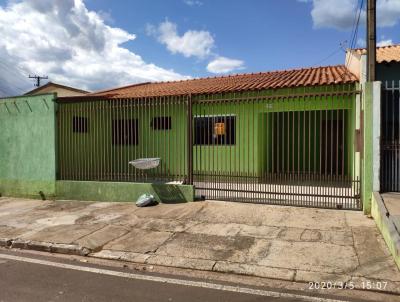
(384,54)
(326,75)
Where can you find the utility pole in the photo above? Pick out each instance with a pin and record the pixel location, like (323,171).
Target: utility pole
(38,78)
(371,40)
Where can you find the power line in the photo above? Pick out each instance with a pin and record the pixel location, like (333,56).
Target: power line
(332,54)
(354,34)
(12,70)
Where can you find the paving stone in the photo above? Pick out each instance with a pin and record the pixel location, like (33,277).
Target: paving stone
(107,254)
(19,244)
(170,211)
(39,246)
(96,240)
(309,218)
(248,214)
(339,237)
(120,255)
(139,241)
(310,276)
(64,205)
(358,219)
(254,270)
(165,225)
(191,263)
(290,234)
(342,237)
(5,242)
(212,247)
(385,269)
(62,233)
(217,229)
(311,235)
(134,257)
(262,231)
(71,249)
(111,213)
(311,256)
(11,232)
(369,245)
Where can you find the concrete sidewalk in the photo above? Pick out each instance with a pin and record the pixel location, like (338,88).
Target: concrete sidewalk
(288,243)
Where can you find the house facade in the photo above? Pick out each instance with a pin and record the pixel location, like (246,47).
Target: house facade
(285,137)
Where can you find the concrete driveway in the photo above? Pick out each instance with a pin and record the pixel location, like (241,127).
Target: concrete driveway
(288,243)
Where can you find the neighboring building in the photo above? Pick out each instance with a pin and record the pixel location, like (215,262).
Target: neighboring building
(386,113)
(61,90)
(387,58)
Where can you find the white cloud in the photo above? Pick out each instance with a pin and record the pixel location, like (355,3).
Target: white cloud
(337,14)
(387,12)
(70,44)
(192,43)
(224,65)
(340,14)
(193,2)
(384,42)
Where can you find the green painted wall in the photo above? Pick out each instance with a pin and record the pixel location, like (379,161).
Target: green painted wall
(252,154)
(367,154)
(93,155)
(27,146)
(122,191)
(386,227)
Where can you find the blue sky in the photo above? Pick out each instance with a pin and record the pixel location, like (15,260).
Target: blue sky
(95,44)
(266,35)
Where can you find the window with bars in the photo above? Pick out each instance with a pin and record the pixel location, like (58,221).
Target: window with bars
(79,124)
(215,130)
(125,132)
(161,123)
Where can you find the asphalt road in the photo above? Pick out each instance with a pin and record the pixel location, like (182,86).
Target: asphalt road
(36,278)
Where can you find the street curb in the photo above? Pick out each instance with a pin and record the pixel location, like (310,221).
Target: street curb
(145,259)
(60,248)
(289,275)
(5,242)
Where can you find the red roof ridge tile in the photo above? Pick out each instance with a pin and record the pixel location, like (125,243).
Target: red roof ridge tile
(243,74)
(295,77)
(378,47)
(119,87)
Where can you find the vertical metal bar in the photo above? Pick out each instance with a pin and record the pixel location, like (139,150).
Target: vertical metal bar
(102,138)
(293,142)
(131,124)
(253,146)
(278,139)
(332,125)
(190,139)
(60,145)
(315,169)
(114,125)
(79,158)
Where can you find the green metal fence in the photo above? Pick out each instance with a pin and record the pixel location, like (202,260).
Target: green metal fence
(294,149)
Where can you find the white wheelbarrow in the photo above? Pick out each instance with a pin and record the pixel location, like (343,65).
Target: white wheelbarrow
(145,163)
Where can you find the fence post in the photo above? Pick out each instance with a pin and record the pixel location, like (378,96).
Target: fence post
(190,140)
